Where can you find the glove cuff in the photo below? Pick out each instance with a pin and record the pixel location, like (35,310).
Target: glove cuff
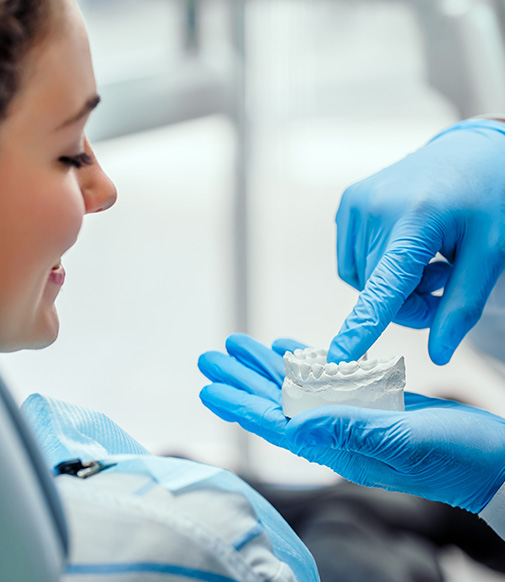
(494,512)
(475,123)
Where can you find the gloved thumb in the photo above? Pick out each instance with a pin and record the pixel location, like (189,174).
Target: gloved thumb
(464,298)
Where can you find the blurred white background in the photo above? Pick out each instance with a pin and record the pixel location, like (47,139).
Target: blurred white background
(231,146)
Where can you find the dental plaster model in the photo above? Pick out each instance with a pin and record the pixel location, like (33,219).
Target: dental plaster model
(311,382)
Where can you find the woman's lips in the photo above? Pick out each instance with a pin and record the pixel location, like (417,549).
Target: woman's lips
(57,275)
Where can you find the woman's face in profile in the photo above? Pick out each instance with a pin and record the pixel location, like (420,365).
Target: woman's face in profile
(49,179)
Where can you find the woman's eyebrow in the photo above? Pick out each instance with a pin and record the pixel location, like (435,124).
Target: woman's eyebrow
(90,104)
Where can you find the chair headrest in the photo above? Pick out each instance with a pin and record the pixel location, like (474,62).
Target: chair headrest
(33,531)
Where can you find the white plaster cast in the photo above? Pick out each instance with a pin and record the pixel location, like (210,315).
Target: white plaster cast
(312,382)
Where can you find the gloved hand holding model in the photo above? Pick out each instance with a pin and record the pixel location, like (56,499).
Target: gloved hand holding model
(447,198)
(437,449)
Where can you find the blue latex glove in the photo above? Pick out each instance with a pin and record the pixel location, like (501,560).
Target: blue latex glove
(448,197)
(437,449)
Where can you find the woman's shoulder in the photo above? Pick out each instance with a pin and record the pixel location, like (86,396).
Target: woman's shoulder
(122,522)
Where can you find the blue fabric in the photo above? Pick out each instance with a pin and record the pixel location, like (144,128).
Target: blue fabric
(147,568)
(248,536)
(67,431)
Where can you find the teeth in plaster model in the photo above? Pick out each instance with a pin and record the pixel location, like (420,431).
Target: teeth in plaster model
(367,364)
(347,368)
(312,382)
(332,369)
(305,371)
(317,371)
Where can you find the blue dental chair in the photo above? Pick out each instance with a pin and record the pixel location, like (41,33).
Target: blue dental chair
(33,532)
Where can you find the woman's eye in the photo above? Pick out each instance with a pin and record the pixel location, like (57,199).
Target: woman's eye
(78,161)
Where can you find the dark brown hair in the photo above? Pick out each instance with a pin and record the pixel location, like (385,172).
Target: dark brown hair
(23,23)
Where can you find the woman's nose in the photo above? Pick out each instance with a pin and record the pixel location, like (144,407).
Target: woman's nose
(98,190)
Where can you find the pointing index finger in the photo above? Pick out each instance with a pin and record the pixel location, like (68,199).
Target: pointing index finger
(396,276)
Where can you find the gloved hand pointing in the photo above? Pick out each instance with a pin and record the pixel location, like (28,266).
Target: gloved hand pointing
(448,198)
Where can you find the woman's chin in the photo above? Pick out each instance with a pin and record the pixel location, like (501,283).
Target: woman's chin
(35,343)
(45,331)
(38,333)
(48,333)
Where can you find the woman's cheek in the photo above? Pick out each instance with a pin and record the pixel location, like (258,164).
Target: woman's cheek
(61,216)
